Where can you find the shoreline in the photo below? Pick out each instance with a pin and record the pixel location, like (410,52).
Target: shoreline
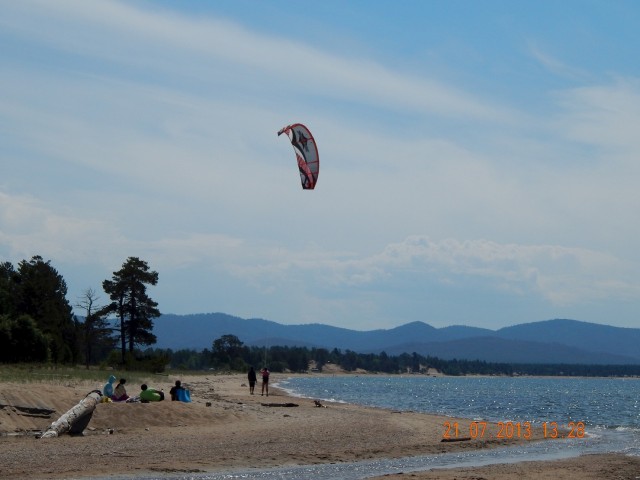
(237,431)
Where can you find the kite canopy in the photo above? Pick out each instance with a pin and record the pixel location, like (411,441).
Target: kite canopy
(306,153)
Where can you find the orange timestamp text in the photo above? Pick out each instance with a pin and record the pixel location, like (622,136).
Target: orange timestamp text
(509,430)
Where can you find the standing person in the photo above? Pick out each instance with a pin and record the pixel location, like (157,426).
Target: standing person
(120,393)
(265,380)
(252,380)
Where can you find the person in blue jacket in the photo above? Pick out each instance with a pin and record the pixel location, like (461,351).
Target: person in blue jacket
(107,390)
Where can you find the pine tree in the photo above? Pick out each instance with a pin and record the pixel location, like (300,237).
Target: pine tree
(130,302)
(41,294)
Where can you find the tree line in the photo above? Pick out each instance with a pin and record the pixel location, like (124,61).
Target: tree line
(229,353)
(37,323)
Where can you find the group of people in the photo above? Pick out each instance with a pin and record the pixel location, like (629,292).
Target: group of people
(253,378)
(119,393)
(177,392)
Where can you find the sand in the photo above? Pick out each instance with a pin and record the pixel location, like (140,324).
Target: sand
(225,428)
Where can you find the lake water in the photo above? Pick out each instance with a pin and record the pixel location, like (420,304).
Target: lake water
(609,408)
(603,404)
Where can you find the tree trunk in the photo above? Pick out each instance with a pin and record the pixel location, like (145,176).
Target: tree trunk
(76,419)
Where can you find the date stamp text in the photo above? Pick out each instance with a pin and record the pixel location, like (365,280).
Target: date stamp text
(510,430)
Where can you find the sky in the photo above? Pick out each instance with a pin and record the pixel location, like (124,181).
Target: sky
(479,161)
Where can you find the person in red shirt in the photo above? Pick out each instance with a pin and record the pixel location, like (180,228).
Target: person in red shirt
(265,380)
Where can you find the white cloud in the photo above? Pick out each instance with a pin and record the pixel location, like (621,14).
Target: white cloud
(555,66)
(177,46)
(562,275)
(28,227)
(603,115)
(138,131)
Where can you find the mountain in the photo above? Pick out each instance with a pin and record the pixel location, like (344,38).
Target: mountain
(582,335)
(495,349)
(549,341)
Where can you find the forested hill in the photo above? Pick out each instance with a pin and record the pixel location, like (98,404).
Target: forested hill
(550,341)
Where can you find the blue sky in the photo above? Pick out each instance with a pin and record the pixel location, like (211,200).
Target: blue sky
(478,160)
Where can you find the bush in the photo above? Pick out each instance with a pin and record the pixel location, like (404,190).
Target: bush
(22,341)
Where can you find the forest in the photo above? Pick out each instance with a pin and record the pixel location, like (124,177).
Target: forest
(37,322)
(229,353)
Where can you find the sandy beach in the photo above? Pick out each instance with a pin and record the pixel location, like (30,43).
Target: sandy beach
(225,428)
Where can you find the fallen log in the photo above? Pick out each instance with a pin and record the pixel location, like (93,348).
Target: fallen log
(279,404)
(76,419)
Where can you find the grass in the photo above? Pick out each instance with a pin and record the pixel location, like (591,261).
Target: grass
(95,377)
(43,373)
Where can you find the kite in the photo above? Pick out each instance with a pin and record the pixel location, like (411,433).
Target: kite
(306,153)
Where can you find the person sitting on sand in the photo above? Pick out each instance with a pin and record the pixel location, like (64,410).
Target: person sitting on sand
(176,391)
(120,393)
(180,393)
(150,394)
(107,390)
(265,380)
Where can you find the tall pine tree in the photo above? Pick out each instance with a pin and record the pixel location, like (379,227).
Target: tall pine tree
(130,303)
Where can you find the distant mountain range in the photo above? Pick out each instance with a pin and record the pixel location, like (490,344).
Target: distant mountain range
(549,341)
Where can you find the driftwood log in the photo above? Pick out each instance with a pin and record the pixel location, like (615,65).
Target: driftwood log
(279,404)
(76,419)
